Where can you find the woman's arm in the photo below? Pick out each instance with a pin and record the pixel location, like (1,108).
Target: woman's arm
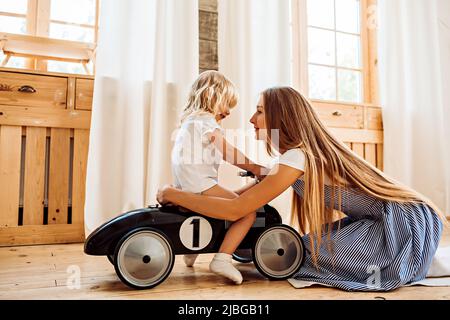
(279,179)
(242,189)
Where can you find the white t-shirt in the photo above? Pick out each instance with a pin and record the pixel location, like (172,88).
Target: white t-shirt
(295,158)
(195,160)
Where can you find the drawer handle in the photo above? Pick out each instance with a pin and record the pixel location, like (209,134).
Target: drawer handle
(337,113)
(27,89)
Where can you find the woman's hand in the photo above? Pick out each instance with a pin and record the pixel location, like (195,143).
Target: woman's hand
(163,192)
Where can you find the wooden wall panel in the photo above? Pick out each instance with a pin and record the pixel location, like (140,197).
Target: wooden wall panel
(80,154)
(208,25)
(58,188)
(34,179)
(10,157)
(208,37)
(380,164)
(358,148)
(207,5)
(370,153)
(208,55)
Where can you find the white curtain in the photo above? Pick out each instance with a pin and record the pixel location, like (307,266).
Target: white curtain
(147,58)
(414,62)
(255,53)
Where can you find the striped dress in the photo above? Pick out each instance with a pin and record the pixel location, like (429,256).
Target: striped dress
(380,245)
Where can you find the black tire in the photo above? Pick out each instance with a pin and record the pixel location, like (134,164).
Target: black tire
(243,255)
(278,252)
(138,267)
(110,258)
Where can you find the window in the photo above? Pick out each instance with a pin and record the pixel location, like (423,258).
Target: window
(13,16)
(332,49)
(72,22)
(13,19)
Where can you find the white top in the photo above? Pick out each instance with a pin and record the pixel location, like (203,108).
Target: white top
(294,158)
(195,160)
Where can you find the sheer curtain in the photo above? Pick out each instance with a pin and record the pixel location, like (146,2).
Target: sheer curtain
(414,55)
(147,58)
(255,53)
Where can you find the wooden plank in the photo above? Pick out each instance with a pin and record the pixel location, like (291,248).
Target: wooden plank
(349,145)
(372,40)
(58,188)
(365,51)
(380,164)
(207,5)
(28,235)
(208,25)
(358,148)
(84,94)
(208,55)
(358,135)
(46,73)
(299,40)
(49,92)
(71,93)
(370,153)
(97,14)
(43,117)
(42,28)
(80,153)
(34,179)
(31,27)
(10,157)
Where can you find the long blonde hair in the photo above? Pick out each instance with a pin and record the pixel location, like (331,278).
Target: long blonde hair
(287,110)
(208,93)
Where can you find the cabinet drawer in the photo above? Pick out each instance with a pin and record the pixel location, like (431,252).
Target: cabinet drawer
(84,93)
(374,118)
(341,116)
(21,89)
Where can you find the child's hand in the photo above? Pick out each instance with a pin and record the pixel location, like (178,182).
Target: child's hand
(260,172)
(162,195)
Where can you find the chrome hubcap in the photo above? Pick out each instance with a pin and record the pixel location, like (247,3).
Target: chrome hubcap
(279,252)
(144,258)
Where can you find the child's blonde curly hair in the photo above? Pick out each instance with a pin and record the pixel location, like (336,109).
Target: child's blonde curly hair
(208,93)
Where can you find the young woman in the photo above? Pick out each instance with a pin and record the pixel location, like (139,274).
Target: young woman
(390,232)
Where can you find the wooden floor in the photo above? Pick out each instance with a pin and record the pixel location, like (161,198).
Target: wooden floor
(43,272)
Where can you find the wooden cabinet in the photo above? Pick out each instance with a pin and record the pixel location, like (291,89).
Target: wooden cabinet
(44,138)
(360,127)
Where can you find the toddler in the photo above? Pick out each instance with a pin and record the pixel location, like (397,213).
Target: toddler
(198,150)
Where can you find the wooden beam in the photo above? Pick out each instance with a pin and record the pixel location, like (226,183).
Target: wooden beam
(43,234)
(44,117)
(358,136)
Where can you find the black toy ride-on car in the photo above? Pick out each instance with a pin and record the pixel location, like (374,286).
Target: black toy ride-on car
(142,243)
